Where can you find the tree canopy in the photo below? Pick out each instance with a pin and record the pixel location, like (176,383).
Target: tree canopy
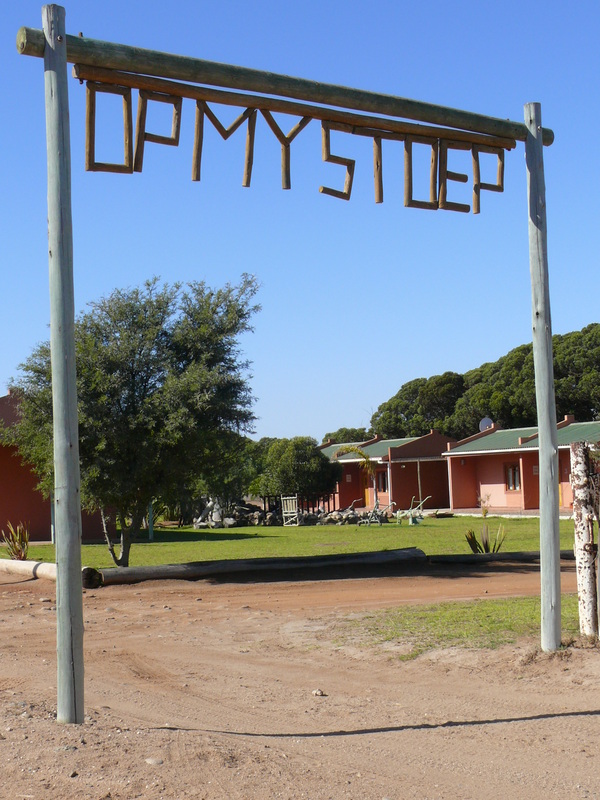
(297,466)
(503,390)
(348,435)
(161,388)
(418,406)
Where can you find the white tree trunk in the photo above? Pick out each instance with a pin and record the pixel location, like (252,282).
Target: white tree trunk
(585,550)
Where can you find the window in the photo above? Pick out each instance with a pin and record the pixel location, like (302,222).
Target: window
(382,481)
(513,478)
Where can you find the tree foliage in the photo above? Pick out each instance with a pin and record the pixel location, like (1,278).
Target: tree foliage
(419,406)
(162,392)
(503,390)
(297,466)
(227,475)
(348,435)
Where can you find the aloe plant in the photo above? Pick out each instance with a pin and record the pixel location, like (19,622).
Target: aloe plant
(16,541)
(486,545)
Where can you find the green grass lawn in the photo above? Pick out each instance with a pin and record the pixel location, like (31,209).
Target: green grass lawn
(433,536)
(474,624)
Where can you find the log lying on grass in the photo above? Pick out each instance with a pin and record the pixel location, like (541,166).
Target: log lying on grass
(90,577)
(30,569)
(203,569)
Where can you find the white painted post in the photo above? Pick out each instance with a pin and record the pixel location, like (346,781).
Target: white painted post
(69,601)
(585,550)
(544,382)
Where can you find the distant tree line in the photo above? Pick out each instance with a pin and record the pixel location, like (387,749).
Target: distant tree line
(503,390)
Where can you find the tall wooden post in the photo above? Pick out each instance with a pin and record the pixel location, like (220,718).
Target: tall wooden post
(69,601)
(544,382)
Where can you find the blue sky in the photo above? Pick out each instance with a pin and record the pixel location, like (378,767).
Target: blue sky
(357,298)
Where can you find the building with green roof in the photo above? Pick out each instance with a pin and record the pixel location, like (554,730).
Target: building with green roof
(412,469)
(500,468)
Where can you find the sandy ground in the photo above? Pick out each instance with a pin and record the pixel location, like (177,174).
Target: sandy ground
(249,690)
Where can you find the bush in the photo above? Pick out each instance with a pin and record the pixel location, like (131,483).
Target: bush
(485,546)
(16,541)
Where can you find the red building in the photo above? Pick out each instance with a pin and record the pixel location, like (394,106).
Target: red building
(19,499)
(500,468)
(406,469)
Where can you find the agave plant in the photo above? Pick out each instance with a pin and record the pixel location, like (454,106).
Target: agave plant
(16,541)
(486,545)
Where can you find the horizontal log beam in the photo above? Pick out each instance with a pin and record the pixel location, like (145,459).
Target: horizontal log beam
(151,62)
(356,123)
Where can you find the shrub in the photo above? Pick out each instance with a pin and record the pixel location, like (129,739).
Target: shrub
(16,541)
(485,546)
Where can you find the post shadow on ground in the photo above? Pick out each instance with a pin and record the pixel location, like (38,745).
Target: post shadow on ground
(420,726)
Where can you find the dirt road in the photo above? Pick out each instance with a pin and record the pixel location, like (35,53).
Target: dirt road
(249,690)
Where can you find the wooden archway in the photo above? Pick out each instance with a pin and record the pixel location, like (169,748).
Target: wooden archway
(161,77)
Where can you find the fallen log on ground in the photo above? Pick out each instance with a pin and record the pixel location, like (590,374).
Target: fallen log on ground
(94,578)
(30,569)
(203,569)
(45,569)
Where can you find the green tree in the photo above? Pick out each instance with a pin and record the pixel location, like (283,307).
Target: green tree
(297,466)
(348,435)
(161,388)
(437,399)
(256,453)
(503,390)
(419,406)
(398,416)
(577,373)
(230,476)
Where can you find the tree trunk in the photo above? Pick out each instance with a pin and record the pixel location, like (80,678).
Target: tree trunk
(123,560)
(585,549)
(128,533)
(109,544)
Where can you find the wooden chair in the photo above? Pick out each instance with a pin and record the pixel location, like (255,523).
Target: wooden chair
(289,510)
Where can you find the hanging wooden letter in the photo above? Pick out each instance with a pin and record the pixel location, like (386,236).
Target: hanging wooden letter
(285,141)
(477,184)
(91,164)
(249,155)
(202,110)
(198,141)
(446,175)
(409,202)
(344,162)
(142,136)
(378,169)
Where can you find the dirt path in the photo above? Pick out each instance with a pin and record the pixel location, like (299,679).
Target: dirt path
(243,690)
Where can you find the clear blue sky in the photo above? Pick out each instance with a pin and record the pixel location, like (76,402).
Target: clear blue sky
(357,298)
